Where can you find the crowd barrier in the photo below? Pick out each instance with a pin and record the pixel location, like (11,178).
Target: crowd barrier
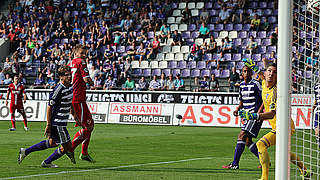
(160,108)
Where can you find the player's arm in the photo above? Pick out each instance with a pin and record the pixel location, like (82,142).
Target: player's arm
(240,106)
(266,115)
(72,111)
(85,73)
(249,63)
(260,110)
(8,94)
(24,95)
(47,132)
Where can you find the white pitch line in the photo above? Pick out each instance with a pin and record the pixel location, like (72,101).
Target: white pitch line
(109,168)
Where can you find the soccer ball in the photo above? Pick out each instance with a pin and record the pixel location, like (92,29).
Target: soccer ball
(313,6)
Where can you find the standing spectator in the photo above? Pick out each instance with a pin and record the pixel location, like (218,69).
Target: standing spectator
(92,52)
(178,83)
(234,80)
(129,84)
(154,85)
(227,47)
(97,83)
(214,83)
(109,54)
(2,76)
(204,31)
(177,38)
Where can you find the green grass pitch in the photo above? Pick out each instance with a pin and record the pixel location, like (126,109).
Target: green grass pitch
(133,147)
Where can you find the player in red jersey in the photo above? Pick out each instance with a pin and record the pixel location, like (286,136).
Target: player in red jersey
(16,89)
(80,77)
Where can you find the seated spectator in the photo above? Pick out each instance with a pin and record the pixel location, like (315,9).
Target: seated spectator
(274,37)
(7,80)
(26,60)
(170,83)
(97,83)
(212,46)
(142,36)
(142,85)
(162,81)
(178,83)
(22,78)
(39,82)
(204,84)
(227,46)
(21,51)
(129,84)
(51,82)
(38,52)
(128,24)
(154,85)
(264,24)
(311,63)
(7,66)
(186,16)
(204,15)
(204,31)
(214,83)
(92,52)
(140,53)
(131,39)
(132,52)
(255,23)
(109,83)
(117,38)
(109,54)
(234,80)
(154,48)
(224,15)
(177,39)
(2,76)
(271,59)
(164,32)
(252,46)
(195,54)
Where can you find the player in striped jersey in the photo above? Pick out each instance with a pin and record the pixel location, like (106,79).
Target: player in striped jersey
(250,100)
(58,111)
(316,111)
(269,97)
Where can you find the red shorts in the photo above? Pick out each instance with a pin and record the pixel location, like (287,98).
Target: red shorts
(83,113)
(14,107)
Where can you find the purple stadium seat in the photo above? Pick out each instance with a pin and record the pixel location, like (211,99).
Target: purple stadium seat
(245,42)
(225,74)
(114,48)
(294,49)
(246,27)
(136,72)
(186,35)
(272,19)
(228,27)
(172,65)
(270,5)
(208,5)
(262,34)
(137,27)
(147,72)
(256,57)
(205,72)
(262,49)
(216,56)
(216,35)
(166,72)
(150,35)
(252,33)
(302,34)
(65,40)
(219,27)
(156,72)
(194,34)
(271,48)
(195,73)
(267,12)
(121,49)
(266,42)
(301,49)
(227,57)
(192,64)
(114,6)
(201,65)
(207,57)
(237,42)
(212,12)
(242,34)
(258,40)
(182,65)
(216,5)
(236,57)
(216,72)
(253,5)
(189,41)
(191,27)
(263,5)
(239,65)
(308,74)
(185,73)
(175,72)
(238,27)
(214,19)
(174,5)
(248,56)
(211,27)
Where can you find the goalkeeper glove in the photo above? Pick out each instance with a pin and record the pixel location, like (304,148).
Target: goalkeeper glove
(248,115)
(249,63)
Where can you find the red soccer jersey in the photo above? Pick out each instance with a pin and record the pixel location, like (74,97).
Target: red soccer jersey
(79,70)
(16,93)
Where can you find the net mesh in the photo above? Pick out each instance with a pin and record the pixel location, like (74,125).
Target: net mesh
(305,69)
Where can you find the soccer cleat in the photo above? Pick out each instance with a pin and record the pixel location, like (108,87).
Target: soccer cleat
(306,174)
(12,129)
(45,165)
(71,157)
(87,158)
(26,128)
(231,166)
(22,155)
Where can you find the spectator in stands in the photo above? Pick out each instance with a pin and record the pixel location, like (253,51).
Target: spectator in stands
(214,83)
(163,81)
(271,59)
(311,63)
(252,46)
(224,15)
(21,51)
(177,39)
(154,84)
(132,52)
(131,39)
(128,24)
(227,46)
(204,84)
(164,32)
(204,31)
(142,36)
(92,52)
(129,84)
(117,38)
(212,46)
(142,85)
(178,83)
(38,52)
(234,80)
(52,66)
(140,53)
(51,82)
(2,76)
(264,24)
(154,48)
(39,82)
(296,80)
(97,83)
(7,80)
(186,16)
(109,54)
(109,83)
(26,60)
(204,15)
(252,14)
(15,66)
(255,23)
(274,37)
(7,66)
(12,40)
(170,83)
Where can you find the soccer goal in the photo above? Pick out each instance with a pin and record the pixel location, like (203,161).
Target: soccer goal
(298,48)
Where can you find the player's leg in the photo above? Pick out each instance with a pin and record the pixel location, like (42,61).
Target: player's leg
(79,136)
(263,144)
(252,146)
(13,119)
(23,113)
(45,144)
(238,151)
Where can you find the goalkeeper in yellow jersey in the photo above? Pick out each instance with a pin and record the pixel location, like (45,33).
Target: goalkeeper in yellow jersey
(269,98)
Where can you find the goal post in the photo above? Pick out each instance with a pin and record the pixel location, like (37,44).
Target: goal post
(284,49)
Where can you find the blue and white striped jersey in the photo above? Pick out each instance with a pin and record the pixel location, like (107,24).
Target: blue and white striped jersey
(60,100)
(316,89)
(250,95)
